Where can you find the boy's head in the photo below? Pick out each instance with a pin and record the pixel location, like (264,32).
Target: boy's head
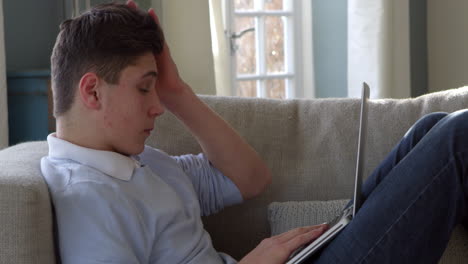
(104,40)
(104,77)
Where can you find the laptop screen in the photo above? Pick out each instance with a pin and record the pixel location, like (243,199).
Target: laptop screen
(361,149)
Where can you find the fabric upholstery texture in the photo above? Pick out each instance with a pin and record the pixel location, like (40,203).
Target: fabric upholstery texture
(309,145)
(25,208)
(285,216)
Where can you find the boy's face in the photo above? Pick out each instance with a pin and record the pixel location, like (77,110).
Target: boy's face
(130,107)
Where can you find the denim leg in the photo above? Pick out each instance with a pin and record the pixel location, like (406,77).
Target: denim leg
(413,200)
(406,144)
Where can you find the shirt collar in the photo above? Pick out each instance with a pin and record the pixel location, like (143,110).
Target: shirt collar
(111,163)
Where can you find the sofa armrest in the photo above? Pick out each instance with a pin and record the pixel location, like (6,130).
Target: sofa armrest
(25,208)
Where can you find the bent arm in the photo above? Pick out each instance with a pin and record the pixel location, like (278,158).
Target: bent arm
(222,145)
(225,149)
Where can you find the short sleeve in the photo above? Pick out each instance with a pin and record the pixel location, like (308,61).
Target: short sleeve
(96,225)
(215,191)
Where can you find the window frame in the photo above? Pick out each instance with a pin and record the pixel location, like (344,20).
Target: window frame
(294,16)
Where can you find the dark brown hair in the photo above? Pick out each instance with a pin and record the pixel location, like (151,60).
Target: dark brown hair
(104,40)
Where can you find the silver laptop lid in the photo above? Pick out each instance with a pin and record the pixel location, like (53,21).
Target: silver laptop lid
(361,149)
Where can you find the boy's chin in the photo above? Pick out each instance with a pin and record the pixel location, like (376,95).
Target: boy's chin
(132,150)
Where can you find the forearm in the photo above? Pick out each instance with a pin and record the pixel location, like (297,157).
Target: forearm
(223,146)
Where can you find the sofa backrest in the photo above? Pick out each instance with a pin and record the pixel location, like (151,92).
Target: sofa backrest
(309,145)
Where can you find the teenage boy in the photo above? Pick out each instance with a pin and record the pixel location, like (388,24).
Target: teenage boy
(117,200)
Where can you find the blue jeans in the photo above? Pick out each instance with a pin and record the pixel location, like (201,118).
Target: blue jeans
(413,200)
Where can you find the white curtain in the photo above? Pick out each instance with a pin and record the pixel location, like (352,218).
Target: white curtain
(220,47)
(378,48)
(186,26)
(3,87)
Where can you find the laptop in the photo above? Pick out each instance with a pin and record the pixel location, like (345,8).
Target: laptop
(345,217)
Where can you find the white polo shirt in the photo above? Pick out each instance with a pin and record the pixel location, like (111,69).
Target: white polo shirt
(112,208)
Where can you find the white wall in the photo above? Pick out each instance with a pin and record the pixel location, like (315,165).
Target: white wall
(186,25)
(447,44)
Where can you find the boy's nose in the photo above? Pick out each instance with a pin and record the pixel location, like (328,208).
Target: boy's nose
(156,108)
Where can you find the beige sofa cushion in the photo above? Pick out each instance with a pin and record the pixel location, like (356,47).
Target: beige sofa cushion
(289,215)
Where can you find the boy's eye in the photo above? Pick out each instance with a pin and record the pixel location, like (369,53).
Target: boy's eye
(145,88)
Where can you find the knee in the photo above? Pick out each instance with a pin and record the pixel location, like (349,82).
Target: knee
(428,121)
(457,121)
(432,118)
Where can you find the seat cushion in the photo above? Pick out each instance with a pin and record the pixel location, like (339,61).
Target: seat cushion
(289,215)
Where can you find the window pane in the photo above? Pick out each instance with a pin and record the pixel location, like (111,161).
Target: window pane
(275,88)
(246,88)
(274,44)
(274,4)
(243,4)
(245,55)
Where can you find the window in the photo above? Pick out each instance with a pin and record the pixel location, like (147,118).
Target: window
(266,47)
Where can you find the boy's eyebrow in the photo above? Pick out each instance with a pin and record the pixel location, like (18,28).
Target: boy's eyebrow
(150,73)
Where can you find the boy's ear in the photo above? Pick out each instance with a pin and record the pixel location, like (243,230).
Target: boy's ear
(88,90)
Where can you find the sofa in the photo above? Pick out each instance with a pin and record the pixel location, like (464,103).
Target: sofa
(309,145)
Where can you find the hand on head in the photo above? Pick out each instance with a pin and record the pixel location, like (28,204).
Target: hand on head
(169,84)
(132,4)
